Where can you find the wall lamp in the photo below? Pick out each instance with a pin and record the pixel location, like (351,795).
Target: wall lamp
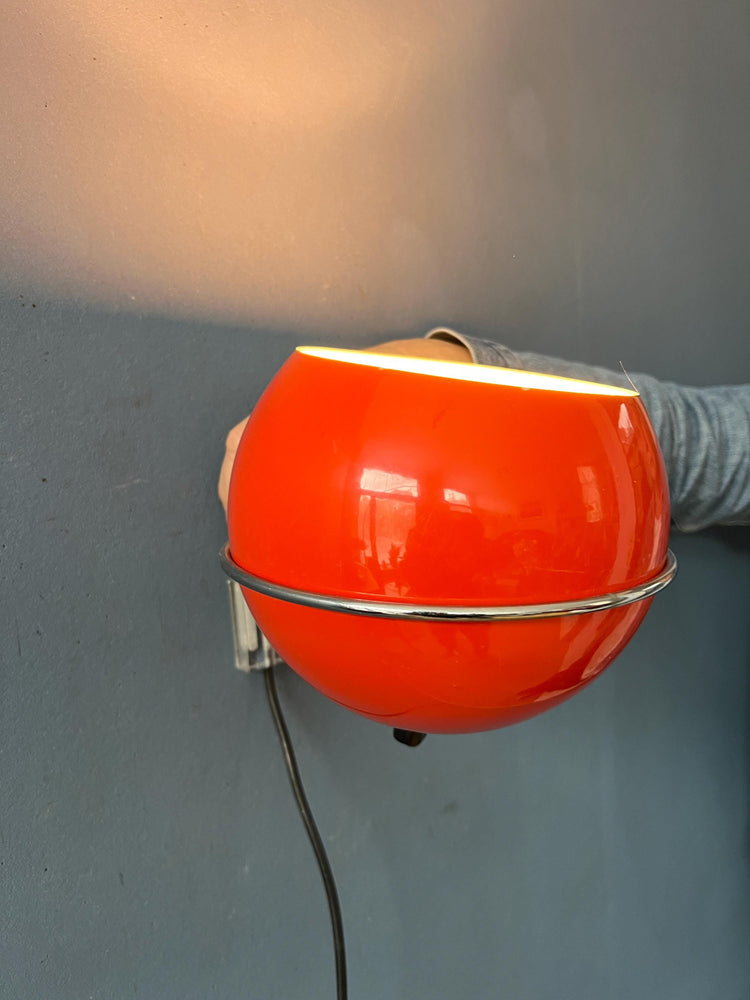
(446,547)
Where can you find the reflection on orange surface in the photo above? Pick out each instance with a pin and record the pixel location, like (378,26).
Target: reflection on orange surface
(386,512)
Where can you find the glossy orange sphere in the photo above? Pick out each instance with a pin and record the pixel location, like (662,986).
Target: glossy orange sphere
(445,485)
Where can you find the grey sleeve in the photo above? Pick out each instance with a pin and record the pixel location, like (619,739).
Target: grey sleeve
(704,433)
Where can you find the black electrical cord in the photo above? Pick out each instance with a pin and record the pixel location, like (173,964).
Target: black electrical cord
(312,833)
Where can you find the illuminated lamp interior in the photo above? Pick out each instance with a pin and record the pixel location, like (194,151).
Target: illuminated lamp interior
(466,372)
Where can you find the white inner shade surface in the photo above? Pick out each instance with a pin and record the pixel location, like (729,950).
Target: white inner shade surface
(466,372)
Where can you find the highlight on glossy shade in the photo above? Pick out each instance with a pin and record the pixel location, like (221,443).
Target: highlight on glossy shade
(453,491)
(465,371)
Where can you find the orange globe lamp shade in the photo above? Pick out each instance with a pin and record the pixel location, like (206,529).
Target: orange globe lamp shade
(446,547)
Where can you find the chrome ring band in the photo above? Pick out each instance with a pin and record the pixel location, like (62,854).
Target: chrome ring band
(436,612)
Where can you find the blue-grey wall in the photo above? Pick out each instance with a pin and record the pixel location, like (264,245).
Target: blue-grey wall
(149,845)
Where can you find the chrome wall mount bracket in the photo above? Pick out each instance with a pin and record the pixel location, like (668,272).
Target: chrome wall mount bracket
(252,651)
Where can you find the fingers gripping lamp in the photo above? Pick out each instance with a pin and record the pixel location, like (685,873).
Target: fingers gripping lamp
(446,547)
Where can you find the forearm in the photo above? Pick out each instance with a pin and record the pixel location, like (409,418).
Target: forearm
(704,433)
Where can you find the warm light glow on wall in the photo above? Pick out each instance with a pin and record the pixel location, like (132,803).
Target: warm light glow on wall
(285,164)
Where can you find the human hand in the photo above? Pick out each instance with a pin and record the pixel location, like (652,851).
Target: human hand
(231,445)
(437,350)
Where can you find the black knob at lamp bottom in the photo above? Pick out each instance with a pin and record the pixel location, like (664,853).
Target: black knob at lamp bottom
(408,737)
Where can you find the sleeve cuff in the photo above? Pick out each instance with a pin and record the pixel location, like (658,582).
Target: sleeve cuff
(483,352)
